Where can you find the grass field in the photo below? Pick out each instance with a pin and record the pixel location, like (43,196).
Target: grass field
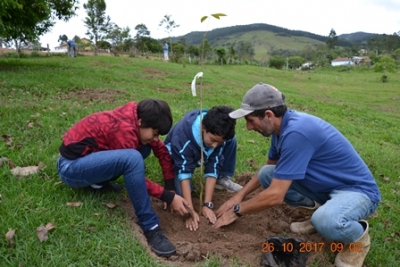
(40,98)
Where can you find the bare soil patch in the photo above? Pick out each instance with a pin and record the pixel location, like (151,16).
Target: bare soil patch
(239,242)
(168,90)
(153,71)
(94,95)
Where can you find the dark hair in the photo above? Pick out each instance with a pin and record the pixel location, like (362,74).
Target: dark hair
(278,111)
(156,114)
(218,122)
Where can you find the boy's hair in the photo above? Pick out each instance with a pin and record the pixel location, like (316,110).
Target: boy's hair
(278,111)
(218,122)
(156,114)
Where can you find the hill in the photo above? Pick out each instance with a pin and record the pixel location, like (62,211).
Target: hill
(265,37)
(358,37)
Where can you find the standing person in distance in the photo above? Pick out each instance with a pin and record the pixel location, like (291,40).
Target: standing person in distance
(165,48)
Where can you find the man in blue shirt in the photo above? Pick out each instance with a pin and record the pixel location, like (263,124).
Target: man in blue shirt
(310,165)
(71,48)
(165,47)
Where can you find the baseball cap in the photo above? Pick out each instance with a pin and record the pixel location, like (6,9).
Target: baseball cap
(261,96)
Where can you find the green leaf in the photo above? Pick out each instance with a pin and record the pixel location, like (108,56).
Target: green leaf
(203,19)
(217,15)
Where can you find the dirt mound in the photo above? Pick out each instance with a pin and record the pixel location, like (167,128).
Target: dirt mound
(238,243)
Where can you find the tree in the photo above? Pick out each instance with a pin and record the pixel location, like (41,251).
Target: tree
(194,50)
(384,64)
(332,40)
(245,50)
(396,54)
(169,25)
(117,37)
(277,62)
(96,22)
(179,51)
(295,62)
(221,53)
(206,48)
(25,21)
(104,45)
(142,32)
(231,54)
(62,38)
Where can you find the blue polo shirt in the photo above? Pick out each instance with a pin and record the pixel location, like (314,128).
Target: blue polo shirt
(316,155)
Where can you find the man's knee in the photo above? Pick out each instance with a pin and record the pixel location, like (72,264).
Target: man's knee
(265,175)
(325,221)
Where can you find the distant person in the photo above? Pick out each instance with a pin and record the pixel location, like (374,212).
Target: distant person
(165,47)
(71,48)
(217,132)
(311,165)
(106,145)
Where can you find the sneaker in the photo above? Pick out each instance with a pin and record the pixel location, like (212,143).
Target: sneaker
(106,187)
(225,183)
(159,243)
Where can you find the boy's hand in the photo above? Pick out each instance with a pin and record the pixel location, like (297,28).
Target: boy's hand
(193,222)
(165,205)
(178,205)
(209,214)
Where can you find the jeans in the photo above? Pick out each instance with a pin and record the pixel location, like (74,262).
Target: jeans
(228,168)
(104,166)
(337,218)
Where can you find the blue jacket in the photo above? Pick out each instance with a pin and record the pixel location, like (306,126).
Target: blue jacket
(185,149)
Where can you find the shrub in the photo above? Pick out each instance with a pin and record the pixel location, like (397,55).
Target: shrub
(35,54)
(276,62)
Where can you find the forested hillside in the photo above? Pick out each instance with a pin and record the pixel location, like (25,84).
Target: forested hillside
(214,35)
(268,39)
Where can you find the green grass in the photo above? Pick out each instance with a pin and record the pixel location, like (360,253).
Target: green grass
(54,93)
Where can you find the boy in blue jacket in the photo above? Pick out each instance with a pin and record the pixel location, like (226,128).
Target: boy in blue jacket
(217,130)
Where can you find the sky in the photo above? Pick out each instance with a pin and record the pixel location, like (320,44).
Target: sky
(315,16)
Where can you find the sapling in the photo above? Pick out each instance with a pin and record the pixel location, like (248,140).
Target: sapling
(200,75)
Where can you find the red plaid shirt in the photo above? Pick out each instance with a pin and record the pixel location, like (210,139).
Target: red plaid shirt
(116,129)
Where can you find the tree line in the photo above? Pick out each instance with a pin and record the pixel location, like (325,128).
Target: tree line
(23,21)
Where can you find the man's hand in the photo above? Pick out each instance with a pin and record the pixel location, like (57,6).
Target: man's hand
(209,214)
(178,205)
(226,218)
(193,222)
(229,204)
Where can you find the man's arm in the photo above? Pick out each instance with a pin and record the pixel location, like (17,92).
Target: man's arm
(271,196)
(252,185)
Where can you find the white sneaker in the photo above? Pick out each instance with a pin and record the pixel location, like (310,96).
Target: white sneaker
(225,183)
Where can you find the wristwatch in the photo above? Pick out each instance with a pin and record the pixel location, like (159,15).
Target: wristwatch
(209,205)
(236,210)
